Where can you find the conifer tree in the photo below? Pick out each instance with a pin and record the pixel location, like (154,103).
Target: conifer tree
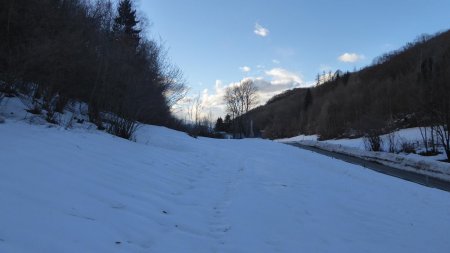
(227,123)
(125,24)
(219,127)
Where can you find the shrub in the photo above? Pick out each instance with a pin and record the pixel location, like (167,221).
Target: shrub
(50,118)
(36,109)
(392,142)
(429,153)
(373,142)
(123,128)
(408,147)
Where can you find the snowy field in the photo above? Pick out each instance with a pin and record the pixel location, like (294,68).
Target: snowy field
(82,190)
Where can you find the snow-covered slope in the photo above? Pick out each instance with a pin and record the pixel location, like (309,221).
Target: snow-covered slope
(86,191)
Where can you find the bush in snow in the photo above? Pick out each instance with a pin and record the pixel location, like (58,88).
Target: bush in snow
(392,142)
(35,109)
(429,139)
(408,147)
(121,127)
(373,142)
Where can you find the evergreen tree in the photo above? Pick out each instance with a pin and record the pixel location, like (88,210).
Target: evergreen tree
(219,127)
(125,24)
(318,79)
(227,124)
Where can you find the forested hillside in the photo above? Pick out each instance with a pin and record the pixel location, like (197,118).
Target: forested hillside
(407,87)
(96,52)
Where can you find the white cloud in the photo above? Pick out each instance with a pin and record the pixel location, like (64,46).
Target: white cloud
(260,30)
(350,57)
(216,99)
(269,84)
(282,76)
(275,61)
(245,69)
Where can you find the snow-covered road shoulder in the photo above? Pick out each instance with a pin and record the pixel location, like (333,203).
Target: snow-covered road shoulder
(416,164)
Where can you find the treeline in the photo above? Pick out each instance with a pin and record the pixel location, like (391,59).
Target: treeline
(405,88)
(91,51)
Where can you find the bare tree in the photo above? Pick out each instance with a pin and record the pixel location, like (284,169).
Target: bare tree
(231,99)
(194,113)
(198,108)
(249,96)
(240,99)
(194,110)
(173,81)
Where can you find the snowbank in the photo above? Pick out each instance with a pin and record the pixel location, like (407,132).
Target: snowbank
(408,135)
(17,109)
(411,163)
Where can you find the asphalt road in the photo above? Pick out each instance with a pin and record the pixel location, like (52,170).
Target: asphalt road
(406,175)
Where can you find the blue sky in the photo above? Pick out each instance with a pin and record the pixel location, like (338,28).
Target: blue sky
(283,44)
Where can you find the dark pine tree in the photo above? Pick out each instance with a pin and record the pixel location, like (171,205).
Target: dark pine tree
(125,24)
(219,127)
(227,124)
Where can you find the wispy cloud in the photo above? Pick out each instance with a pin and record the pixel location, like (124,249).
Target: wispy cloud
(245,69)
(350,57)
(261,31)
(275,61)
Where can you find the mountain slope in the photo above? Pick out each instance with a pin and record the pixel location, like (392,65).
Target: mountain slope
(398,90)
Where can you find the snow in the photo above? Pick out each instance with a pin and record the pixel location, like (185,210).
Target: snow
(13,108)
(410,135)
(299,138)
(412,163)
(16,109)
(427,165)
(82,190)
